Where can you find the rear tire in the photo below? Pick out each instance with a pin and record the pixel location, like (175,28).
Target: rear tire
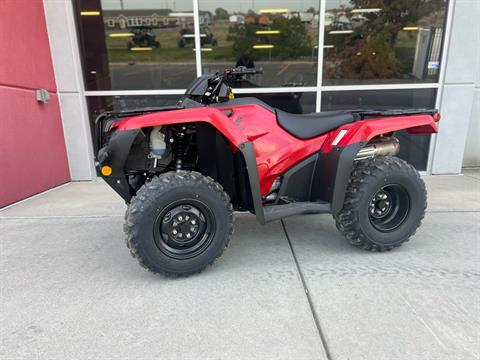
(179,223)
(384,204)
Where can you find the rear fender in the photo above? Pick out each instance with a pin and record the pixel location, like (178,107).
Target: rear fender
(338,153)
(365,130)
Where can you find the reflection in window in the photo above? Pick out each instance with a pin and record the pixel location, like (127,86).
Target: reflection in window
(382,41)
(134,44)
(99,104)
(295,103)
(279,36)
(413,148)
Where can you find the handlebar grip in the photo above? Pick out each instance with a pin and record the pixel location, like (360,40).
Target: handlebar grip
(242,70)
(253,71)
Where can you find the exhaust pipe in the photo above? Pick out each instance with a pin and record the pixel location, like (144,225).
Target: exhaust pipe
(387,146)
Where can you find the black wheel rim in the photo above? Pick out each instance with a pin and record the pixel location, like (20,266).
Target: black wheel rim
(389,208)
(184,229)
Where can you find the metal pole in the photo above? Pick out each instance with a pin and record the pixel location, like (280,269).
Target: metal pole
(441,79)
(321,37)
(198,43)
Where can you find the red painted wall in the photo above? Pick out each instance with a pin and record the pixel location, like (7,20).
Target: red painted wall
(32,147)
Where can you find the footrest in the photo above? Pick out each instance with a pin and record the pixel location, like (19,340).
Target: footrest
(275,212)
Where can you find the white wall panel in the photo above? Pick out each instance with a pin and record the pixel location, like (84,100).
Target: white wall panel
(67,67)
(450,145)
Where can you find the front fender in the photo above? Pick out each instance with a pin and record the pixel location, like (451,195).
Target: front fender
(213,116)
(116,152)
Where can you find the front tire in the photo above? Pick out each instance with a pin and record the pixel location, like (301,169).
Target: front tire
(384,204)
(179,223)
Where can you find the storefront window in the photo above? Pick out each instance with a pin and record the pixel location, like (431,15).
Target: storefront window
(413,148)
(382,41)
(98,104)
(279,36)
(134,45)
(296,103)
(150,45)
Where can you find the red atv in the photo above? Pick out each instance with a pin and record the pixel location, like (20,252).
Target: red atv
(184,170)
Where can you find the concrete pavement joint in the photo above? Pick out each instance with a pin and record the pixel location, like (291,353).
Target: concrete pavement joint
(424,323)
(307,294)
(451,211)
(472,177)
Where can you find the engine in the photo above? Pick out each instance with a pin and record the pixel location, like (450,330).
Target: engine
(172,148)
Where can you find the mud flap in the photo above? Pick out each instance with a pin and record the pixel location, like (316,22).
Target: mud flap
(332,174)
(115,155)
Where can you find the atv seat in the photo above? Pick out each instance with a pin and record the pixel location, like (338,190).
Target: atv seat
(306,126)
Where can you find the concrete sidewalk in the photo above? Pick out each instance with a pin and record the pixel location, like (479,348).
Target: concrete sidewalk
(291,290)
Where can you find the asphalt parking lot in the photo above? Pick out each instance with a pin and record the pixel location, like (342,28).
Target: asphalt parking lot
(179,75)
(288,290)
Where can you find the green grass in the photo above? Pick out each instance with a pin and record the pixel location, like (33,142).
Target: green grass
(169,50)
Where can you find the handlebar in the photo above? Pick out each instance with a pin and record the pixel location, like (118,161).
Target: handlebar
(241,70)
(216,81)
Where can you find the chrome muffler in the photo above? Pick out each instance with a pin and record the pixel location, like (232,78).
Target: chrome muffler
(384,146)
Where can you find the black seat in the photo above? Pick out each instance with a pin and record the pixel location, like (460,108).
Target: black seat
(305,126)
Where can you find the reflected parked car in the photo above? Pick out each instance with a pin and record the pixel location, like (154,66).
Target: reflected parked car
(143,36)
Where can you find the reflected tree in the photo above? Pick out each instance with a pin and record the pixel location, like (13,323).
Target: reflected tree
(243,37)
(221,14)
(394,15)
(292,41)
(370,51)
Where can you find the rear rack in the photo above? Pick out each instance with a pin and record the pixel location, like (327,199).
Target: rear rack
(366,113)
(134,112)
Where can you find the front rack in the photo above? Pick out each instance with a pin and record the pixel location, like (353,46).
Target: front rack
(106,119)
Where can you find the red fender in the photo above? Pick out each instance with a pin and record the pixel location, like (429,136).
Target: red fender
(363,131)
(209,115)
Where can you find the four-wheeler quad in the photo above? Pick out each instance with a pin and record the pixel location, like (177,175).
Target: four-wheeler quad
(183,170)
(143,36)
(188,37)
